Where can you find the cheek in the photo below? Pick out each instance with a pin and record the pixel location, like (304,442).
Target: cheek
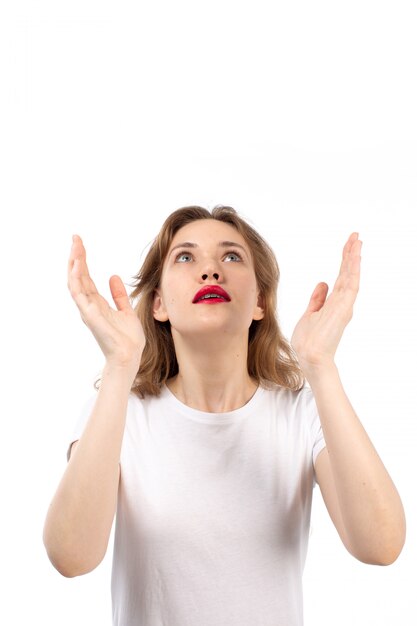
(253,294)
(169,301)
(173,302)
(168,294)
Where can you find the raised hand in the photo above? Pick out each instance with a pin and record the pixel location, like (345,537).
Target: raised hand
(318,333)
(119,333)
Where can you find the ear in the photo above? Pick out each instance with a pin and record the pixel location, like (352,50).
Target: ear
(159,311)
(259,310)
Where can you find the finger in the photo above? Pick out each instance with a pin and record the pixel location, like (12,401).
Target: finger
(354,270)
(349,273)
(77,252)
(119,294)
(347,249)
(318,298)
(79,279)
(76,249)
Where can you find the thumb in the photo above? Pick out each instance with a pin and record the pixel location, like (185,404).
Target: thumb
(119,294)
(318,298)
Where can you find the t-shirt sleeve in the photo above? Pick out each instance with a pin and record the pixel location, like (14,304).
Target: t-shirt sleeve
(82,420)
(316,432)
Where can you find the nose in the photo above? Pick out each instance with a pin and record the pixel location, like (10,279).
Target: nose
(205,276)
(210,268)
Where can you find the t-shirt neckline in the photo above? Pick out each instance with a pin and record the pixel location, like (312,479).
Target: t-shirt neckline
(212,418)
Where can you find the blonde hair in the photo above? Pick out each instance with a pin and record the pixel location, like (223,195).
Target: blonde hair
(271,358)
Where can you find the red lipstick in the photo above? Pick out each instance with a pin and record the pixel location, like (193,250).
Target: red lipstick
(210,294)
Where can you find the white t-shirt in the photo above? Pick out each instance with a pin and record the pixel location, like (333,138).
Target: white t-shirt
(213,511)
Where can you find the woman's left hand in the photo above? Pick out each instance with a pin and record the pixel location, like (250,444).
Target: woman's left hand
(318,333)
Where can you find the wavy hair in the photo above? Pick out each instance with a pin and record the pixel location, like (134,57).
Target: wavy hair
(271,358)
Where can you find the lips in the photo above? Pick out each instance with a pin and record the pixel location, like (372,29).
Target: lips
(211,293)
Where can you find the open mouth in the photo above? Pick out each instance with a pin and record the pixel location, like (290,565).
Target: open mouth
(211,299)
(211,294)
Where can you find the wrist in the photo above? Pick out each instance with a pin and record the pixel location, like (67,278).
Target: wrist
(121,371)
(315,372)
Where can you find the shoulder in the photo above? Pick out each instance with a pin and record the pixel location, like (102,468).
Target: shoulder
(296,406)
(288,397)
(144,406)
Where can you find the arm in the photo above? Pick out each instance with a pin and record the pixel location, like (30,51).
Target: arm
(357,489)
(80,517)
(358,492)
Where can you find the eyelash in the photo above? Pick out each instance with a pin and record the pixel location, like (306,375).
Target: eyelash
(227,253)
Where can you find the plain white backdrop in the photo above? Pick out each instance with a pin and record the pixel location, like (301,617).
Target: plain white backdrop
(300,115)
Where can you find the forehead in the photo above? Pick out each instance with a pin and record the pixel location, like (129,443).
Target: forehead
(208,231)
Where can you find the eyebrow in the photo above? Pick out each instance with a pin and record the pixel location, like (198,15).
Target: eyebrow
(221,244)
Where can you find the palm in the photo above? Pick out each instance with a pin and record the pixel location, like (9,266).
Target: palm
(118,332)
(319,331)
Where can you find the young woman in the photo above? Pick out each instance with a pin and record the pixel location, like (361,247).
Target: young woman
(205,439)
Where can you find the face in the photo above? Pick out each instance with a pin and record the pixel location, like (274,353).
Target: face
(208,281)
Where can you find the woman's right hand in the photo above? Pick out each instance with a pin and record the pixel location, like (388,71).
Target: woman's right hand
(118,333)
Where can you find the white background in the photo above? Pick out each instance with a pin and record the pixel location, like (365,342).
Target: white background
(301,115)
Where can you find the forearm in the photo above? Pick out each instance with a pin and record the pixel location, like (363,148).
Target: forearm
(370,506)
(80,517)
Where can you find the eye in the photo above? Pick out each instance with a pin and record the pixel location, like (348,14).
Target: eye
(234,254)
(183,257)
(186,257)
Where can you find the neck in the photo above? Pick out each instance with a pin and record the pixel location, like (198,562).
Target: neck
(212,376)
